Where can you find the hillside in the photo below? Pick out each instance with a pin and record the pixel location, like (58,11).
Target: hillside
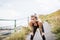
(54,20)
(57,13)
(52,16)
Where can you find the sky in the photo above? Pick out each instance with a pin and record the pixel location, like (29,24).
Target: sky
(21,9)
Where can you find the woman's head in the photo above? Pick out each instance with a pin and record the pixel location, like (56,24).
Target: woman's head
(33,17)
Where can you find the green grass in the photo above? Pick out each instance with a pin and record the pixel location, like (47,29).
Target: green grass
(19,35)
(54,20)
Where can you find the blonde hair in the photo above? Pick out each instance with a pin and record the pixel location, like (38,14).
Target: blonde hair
(34,16)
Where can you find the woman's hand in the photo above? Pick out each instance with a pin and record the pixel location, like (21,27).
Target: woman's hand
(43,34)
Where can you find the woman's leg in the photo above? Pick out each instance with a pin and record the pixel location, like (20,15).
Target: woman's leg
(41,32)
(33,33)
(43,36)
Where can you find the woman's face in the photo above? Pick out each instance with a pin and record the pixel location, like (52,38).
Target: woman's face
(33,19)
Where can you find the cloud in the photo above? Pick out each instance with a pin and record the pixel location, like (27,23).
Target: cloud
(17,8)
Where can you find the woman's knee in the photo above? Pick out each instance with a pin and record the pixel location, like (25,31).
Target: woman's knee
(32,33)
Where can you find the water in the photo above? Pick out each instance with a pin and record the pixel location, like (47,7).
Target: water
(7,33)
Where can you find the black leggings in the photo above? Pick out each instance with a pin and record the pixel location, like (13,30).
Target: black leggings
(34,30)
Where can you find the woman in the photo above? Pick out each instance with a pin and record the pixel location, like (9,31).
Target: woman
(34,24)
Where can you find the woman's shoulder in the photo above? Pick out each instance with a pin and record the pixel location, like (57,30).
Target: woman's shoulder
(30,22)
(40,23)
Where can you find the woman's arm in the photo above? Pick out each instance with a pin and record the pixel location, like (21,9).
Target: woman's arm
(30,26)
(41,28)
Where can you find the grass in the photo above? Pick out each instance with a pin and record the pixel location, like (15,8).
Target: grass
(56,29)
(19,35)
(54,20)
